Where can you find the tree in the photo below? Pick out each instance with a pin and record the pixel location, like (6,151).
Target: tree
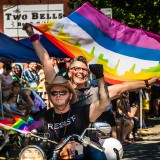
(134,13)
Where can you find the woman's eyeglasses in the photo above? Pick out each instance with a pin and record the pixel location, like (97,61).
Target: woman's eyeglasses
(79,69)
(55,93)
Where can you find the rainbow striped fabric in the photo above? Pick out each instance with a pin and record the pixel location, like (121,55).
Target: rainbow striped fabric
(23,125)
(126,53)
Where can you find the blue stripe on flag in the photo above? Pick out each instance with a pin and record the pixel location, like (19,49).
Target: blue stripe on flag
(112,44)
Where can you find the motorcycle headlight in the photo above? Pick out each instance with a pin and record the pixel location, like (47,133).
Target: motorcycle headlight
(32,152)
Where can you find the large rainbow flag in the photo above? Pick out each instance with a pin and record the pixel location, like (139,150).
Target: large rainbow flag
(126,53)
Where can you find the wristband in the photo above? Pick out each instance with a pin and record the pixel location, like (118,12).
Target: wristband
(34,37)
(146,82)
(99,76)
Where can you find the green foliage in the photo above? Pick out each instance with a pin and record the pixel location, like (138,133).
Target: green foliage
(143,14)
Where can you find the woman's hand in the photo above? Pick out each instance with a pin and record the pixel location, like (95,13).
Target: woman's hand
(29,29)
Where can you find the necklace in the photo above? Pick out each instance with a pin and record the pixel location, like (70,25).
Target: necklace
(60,135)
(60,109)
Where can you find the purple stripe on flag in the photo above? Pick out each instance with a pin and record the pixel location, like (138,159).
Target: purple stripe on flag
(119,31)
(35,125)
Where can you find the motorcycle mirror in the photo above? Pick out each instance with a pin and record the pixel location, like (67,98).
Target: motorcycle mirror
(102,127)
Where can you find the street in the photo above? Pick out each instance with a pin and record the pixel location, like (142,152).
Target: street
(147,149)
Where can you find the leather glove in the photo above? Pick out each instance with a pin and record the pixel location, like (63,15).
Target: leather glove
(97,70)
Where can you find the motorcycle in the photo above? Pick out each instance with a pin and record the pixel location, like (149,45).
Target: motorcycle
(32,151)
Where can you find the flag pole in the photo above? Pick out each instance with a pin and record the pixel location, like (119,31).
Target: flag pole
(1,105)
(25,132)
(21,79)
(14,129)
(141,118)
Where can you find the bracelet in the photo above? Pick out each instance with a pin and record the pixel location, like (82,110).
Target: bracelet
(34,37)
(146,82)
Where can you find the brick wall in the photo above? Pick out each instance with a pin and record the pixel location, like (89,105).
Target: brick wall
(23,2)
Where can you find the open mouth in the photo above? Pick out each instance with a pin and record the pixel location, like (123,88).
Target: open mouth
(80,76)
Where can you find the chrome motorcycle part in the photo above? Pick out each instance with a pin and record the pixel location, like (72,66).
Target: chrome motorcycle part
(103,127)
(32,152)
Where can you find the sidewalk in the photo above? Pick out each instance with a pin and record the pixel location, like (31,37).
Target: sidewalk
(153,131)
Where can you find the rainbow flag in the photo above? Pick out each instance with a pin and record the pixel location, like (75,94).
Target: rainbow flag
(21,124)
(6,122)
(126,53)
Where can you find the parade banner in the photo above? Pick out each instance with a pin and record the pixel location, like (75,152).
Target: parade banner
(126,53)
(23,51)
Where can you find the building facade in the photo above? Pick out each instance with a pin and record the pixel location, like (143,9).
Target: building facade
(14,13)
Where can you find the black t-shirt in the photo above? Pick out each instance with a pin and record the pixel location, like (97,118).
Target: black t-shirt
(62,125)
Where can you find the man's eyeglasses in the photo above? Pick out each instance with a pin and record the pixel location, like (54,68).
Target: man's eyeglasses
(55,93)
(79,69)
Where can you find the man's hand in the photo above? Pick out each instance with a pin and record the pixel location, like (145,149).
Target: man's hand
(97,70)
(29,29)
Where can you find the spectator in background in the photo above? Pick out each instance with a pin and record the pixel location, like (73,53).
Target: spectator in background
(31,75)
(61,65)
(6,80)
(30,100)
(17,75)
(124,120)
(155,96)
(134,103)
(145,105)
(1,67)
(63,69)
(68,61)
(10,106)
(54,63)
(41,86)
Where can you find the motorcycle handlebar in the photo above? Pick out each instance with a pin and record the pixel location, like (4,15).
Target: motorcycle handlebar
(69,138)
(88,142)
(84,141)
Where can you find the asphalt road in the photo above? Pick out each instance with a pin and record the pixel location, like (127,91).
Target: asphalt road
(149,148)
(144,150)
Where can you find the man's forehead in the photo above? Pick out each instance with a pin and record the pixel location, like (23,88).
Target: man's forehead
(58,87)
